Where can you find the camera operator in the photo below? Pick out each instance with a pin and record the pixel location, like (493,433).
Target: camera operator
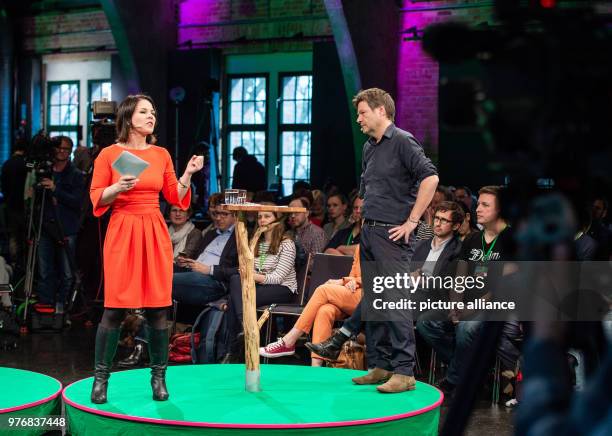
(64,191)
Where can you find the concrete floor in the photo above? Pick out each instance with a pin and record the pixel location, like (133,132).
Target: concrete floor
(68,356)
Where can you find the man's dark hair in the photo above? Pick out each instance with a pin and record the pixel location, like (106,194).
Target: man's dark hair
(448,195)
(467,190)
(457,215)
(239,152)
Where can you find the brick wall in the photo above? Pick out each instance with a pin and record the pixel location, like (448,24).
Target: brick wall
(252,25)
(71,31)
(418,74)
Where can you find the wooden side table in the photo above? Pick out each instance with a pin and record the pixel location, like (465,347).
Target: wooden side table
(246,260)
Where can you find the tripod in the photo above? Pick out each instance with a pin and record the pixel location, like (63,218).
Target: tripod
(34,234)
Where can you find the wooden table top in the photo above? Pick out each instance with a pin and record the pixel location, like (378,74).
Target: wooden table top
(254,207)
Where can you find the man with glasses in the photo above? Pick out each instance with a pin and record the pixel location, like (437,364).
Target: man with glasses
(64,192)
(218,260)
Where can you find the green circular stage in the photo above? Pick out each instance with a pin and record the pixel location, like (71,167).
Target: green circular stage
(211,399)
(27,394)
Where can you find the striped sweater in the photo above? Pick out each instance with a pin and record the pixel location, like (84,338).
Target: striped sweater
(279,269)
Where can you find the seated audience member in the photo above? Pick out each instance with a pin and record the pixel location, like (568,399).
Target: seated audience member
(337,205)
(275,278)
(424,229)
(317,208)
(432,256)
(213,201)
(346,241)
(306,233)
(332,301)
(185,237)
(468,226)
(452,338)
(300,188)
(463,194)
(217,261)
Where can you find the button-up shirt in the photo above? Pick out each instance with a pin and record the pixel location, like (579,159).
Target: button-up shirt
(433,256)
(212,253)
(391,173)
(311,237)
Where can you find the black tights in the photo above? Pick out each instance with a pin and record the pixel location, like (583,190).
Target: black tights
(156,318)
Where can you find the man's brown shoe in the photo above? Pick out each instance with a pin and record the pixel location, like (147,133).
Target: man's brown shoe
(373,377)
(398,383)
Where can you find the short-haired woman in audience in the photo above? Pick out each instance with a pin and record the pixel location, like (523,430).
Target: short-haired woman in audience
(184,235)
(337,205)
(346,241)
(332,301)
(275,279)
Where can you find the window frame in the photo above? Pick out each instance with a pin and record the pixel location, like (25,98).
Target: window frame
(62,128)
(90,83)
(228,128)
(292,127)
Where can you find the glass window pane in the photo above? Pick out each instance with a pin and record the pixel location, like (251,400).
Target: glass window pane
(288,165)
(249,113)
(106,90)
(260,85)
(96,91)
(288,143)
(74,94)
(260,144)
(236,90)
(289,88)
(55,95)
(236,113)
(74,116)
(249,89)
(301,112)
(55,115)
(303,86)
(235,140)
(64,117)
(260,112)
(64,94)
(288,114)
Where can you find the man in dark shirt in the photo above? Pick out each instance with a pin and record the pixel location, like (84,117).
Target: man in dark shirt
(14,174)
(249,173)
(397,183)
(61,219)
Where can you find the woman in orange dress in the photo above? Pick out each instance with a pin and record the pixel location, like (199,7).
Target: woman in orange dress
(137,248)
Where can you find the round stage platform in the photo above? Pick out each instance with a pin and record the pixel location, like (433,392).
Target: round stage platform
(211,399)
(26,394)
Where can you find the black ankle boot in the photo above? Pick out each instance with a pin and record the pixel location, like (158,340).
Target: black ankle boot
(158,355)
(329,348)
(137,358)
(106,346)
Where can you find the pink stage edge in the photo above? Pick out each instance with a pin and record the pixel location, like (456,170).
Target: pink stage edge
(255,426)
(35,403)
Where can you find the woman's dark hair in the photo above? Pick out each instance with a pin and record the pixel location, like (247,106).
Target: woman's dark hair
(278,233)
(124,117)
(343,200)
(467,211)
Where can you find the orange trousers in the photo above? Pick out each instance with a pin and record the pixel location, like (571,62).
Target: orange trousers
(328,304)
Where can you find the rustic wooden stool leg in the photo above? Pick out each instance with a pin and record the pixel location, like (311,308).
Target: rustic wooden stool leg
(251,330)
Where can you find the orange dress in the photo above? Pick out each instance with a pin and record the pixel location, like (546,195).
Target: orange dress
(137,247)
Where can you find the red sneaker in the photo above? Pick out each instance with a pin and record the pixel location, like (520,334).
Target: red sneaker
(277,349)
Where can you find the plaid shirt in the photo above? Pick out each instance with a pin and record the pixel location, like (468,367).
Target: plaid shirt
(311,237)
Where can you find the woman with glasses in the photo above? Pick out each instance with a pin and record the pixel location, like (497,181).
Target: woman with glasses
(137,246)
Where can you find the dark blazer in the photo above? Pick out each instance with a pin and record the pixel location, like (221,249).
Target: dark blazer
(445,266)
(228,263)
